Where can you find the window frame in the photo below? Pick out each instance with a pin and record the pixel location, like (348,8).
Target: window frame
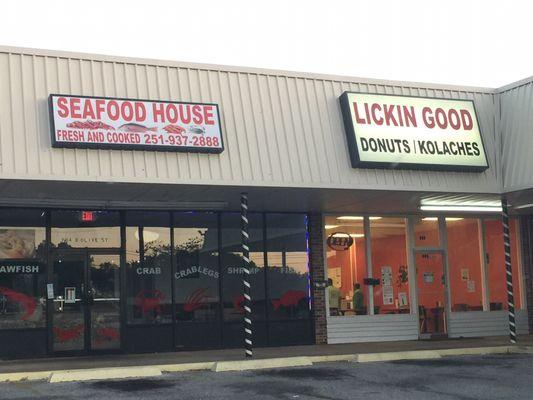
(518,281)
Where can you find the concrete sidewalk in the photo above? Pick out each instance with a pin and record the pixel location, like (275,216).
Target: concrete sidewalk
(263,357)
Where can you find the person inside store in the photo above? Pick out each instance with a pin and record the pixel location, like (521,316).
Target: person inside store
(334,294)
(358,300)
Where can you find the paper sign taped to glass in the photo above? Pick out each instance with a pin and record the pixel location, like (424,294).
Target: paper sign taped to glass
(70,295)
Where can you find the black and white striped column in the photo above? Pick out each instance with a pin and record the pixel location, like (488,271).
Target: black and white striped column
(246,277)
(509,271)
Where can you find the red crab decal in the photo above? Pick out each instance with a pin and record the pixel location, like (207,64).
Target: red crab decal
(238,302)
(66,335)
(149,300)
(28,303)
(196,300)
(289,298)
(107,334)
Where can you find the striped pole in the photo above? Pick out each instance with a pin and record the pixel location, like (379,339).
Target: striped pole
(509,271)
(246,277)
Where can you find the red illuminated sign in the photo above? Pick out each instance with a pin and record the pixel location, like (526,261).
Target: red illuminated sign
(87,216)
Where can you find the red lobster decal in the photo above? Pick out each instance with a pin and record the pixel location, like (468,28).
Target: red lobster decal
(196,300)
(66,335)
(289,298)
(28,303)
(149,300)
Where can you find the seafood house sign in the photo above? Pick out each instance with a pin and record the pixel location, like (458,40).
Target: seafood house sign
(387,131)
(100,122)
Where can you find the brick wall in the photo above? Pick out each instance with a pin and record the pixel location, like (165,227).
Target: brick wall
(526,224)
(316,254)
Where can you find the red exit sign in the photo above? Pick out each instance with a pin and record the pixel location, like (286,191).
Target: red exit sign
(87,216)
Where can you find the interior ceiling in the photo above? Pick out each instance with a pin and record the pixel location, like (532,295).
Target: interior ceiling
(70,194)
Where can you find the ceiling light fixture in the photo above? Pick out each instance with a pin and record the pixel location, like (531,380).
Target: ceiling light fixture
(356,218)
(451,219)
(461,208)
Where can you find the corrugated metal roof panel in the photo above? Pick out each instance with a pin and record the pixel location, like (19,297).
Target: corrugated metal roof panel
(279,129)
(517,137)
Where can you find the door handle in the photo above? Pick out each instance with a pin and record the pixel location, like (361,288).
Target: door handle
(90,295)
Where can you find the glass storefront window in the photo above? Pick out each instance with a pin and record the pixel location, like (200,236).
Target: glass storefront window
(81,229)
(346,261)
(388,240)
(148,268)
(232,262)
(22,269)
(288,270)
(426,232)
(464,264)
(196,288)
(495,259)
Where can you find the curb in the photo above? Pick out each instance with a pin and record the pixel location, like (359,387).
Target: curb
(104,373)
(400,355)
(245,365)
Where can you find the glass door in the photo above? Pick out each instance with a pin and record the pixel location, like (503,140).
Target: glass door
(431,289)
(104,301)
(87,301)
(69,313)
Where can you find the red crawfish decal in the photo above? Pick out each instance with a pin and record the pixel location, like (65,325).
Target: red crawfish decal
(149,300)
(196,300)
(91,125)
(27,302)
(289,298)
(238,302)
(175,129)
(66,335)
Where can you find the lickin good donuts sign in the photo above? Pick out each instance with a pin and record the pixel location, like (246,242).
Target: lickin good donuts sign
(387,131)
(101,122)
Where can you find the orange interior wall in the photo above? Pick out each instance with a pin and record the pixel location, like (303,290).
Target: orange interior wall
(342,259)
(430,294)
(496,265)
(464,252)
(390,252)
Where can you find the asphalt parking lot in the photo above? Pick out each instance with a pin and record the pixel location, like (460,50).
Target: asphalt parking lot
(465,378)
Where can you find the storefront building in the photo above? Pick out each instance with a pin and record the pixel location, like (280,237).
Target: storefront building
(374,207)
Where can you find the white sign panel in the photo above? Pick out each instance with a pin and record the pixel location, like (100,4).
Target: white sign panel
(386,131)
(97,122)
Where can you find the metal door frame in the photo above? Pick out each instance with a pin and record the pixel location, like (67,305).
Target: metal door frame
(441,248)
(85,253)
(446,304)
